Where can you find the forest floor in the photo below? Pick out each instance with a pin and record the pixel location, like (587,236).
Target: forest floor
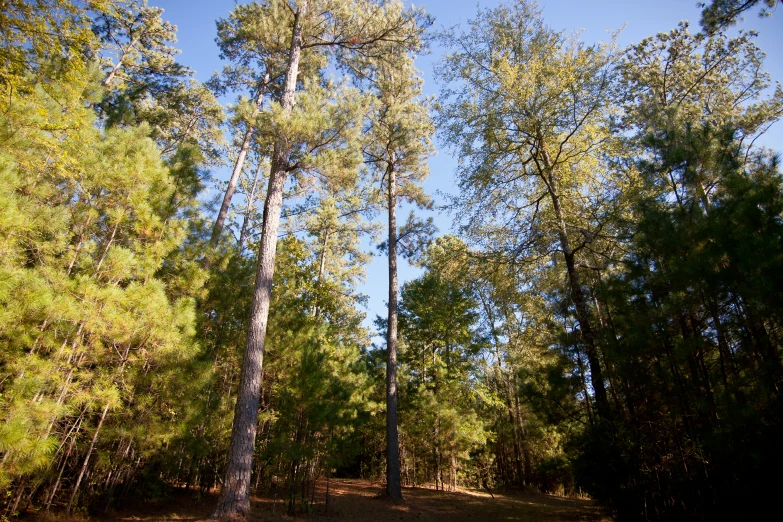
(360,501)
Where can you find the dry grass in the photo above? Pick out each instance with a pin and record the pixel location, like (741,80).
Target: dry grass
(360,501)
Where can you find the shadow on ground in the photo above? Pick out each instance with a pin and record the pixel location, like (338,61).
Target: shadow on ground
(360,501)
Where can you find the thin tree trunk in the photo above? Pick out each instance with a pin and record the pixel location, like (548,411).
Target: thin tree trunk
(112,73)
(249,208)
(523,441)
(520,446)
(583,382)
(74,433)
(235,498)
(453,471)
(60,400)
(110,77)
(87,459)
(106,249)
(393,486)
(521,476)
(582,312)
(220,221)
(12,509)
(322,264)
(328,474)
(321,271)
(413,464)
(577,295)
(295,465)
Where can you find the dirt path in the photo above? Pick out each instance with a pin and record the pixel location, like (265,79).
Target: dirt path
(358,501)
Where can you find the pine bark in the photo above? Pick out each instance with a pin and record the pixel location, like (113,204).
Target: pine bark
(393,485)
(235,498)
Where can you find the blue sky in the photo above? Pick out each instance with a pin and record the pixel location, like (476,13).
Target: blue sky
(195,20)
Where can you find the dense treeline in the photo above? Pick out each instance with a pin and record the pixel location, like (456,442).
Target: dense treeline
(625,190)
(605,319)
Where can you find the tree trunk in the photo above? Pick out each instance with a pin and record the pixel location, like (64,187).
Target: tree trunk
(321,271)
(249,208)
(521,476)
(435,452)
(87,459)
(453,472)
(235,498)
(582,312)
(393,486)
(322,263)
(56,485)
(220,221)
(110,77)
(328,474)
(523,441)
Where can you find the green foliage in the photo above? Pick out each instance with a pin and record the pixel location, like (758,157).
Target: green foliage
(692,322)
(314,386)
(400,131)
(475,404)
(691,346)
(643,185)
(255,39)
(720,14)
(440,404)
(145,84)
(37,33)
(88,222)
